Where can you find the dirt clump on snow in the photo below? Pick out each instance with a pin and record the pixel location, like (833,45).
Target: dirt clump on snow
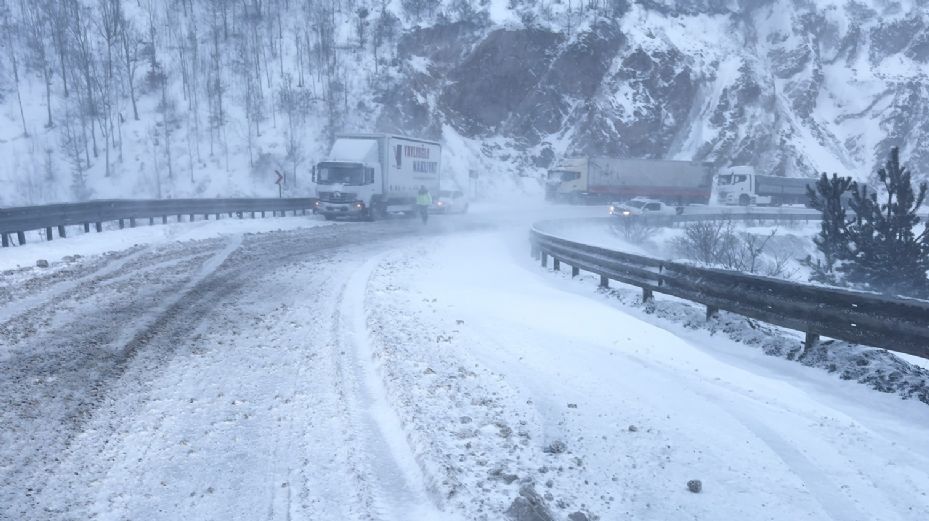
(529,506)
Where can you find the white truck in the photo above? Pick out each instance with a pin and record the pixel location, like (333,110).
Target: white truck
(369,175)
(605,179)
(741,185)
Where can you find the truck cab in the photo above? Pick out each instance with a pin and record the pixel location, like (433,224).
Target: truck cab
(566,179)
(346,184)
(736,186)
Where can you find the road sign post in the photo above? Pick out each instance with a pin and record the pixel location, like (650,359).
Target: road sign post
(280,185)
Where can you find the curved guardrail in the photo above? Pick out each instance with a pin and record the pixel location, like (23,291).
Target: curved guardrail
(18,220)
(899,324)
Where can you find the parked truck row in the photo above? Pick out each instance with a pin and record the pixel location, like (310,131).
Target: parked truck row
(370,175)
(583,180)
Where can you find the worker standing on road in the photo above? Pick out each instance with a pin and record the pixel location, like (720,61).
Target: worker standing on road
(423,202)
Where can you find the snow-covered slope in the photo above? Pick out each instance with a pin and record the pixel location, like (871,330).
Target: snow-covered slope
(791,86)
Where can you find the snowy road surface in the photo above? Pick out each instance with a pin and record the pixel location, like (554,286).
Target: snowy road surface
(386,371)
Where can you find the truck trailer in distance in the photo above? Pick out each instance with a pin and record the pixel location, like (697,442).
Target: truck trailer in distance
(605,179)
(368,175)
(740,185)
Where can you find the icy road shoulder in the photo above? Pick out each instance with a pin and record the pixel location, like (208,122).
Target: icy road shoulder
(509,379)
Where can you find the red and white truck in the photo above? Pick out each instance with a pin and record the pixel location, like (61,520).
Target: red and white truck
(605,179)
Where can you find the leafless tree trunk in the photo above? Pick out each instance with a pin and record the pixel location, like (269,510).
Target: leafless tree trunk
(10,29)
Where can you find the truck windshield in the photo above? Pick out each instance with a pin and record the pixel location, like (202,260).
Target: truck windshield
(563,175)
(731,179)
(340,174)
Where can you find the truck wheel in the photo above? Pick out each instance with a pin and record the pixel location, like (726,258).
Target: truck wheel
(744,200)
(329,217)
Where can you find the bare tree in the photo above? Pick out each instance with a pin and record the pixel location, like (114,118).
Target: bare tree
(10,29)
(131,46)
(38,26)
(295,103)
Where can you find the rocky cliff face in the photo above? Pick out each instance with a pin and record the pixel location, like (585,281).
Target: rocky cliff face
(790,86)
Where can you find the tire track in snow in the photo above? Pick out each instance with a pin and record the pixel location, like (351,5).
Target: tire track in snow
(64,411)
(22,306)
(396,488)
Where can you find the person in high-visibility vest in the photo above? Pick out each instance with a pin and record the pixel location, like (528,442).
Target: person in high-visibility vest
(423,202)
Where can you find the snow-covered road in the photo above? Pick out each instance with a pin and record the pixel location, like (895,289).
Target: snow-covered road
(388,371)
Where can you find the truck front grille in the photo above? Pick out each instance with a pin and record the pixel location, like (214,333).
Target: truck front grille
(337,197)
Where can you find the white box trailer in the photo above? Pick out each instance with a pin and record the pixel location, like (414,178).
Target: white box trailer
(605,179)
(368,175)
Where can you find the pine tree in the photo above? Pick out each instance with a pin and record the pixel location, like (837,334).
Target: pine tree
(886,253)
(828,197)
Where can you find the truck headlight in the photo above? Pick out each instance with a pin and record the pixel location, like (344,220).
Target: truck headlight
(359,204)
(627,213)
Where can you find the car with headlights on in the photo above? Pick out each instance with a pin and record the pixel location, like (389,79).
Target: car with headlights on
(641,206)
(449,201)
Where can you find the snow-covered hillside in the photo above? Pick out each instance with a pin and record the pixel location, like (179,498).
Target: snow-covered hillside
(228,92)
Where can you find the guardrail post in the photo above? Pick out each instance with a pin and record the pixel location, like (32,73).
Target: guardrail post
(556,264)
(98,226)
(262,214)
(575,271)
(132,222)
(122,224)
(647,295)
(810,341)
(5,239)
(712,312)
(253,215)
(544,259)
(192,217)
(164,219)
(151,221)
(21,238)
(61,231)
(604,281)
(48,232)
(86,227)
(206,217)
(217,216)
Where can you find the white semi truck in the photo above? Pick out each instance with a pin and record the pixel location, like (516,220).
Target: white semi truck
(606,179)
(368,175)
(741,185)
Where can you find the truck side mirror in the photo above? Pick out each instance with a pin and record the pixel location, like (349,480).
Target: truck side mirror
(313,174)
(369,175)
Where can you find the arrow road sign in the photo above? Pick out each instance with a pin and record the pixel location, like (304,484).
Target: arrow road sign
(280,184)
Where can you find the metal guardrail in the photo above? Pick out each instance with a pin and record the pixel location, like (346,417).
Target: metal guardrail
(898,324)
(669,219)
(18,220)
